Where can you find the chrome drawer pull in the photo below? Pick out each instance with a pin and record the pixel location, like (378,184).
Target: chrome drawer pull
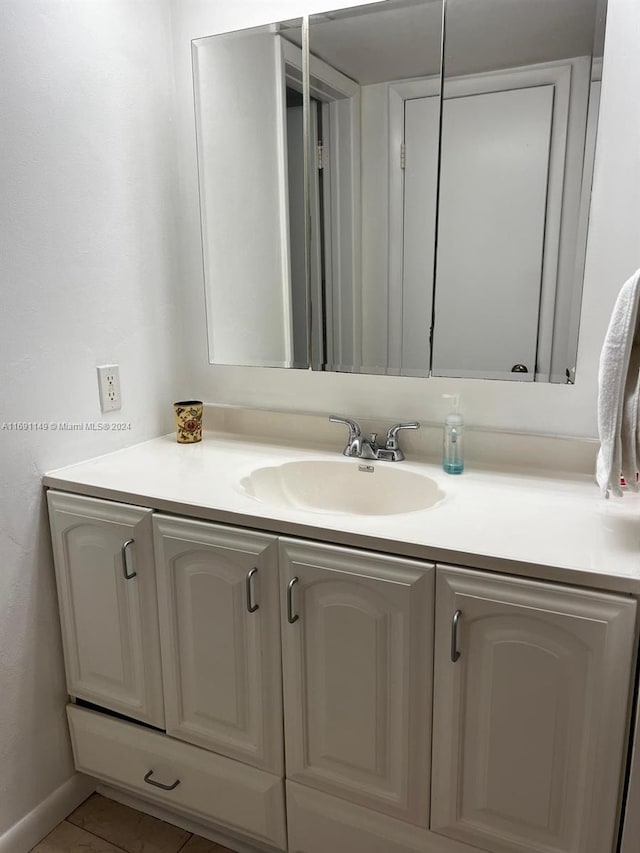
(155,784)
(455,654)
(291,618)
(251,607)
(125,570)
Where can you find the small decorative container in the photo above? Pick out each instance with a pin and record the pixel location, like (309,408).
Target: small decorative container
(188,421)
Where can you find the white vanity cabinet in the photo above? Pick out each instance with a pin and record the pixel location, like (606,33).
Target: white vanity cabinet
(531,694)
(242,636)
(105,574)
(357,634)
(217,606)
(220,630)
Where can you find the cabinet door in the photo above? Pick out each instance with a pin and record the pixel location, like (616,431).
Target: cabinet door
(220,619)
(357,646)
(103,555)
(530,721)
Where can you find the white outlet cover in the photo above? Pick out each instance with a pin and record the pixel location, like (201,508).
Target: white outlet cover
(109,387)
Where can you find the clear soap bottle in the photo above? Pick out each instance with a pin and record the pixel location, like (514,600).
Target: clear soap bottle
(453,448)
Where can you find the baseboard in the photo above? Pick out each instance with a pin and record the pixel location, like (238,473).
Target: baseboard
(47,815)
(187,823)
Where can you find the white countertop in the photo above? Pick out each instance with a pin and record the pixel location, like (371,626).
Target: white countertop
(523,522)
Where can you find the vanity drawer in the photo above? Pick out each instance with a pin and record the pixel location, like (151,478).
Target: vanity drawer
(211,787)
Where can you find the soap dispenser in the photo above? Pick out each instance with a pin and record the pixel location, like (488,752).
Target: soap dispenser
(453,449)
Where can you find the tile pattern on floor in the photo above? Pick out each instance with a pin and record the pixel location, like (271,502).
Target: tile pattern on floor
(201,845)
(100,825)
(67,838)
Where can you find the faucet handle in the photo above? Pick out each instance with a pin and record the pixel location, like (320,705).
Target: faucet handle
(354,442)
(354,426)
(392,435)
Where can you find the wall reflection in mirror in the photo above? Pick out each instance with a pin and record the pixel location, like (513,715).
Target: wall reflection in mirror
(358,284)
(241,81)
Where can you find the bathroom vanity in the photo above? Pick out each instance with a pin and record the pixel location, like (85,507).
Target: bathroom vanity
(308,653)
(452,678)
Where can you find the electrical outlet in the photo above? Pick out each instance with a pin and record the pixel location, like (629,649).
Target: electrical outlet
(109,386)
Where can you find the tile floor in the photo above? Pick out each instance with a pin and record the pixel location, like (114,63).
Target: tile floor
(100,825)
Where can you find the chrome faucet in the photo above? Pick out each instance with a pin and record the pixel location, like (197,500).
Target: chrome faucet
(361,447)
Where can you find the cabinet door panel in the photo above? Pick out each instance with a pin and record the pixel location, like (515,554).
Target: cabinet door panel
(358,676)
(221,662)
(109,622)
(530,721)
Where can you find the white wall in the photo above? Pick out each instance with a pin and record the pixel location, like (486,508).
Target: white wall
(613,254)
(88,276)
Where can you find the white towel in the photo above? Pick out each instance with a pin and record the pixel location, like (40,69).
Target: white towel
(629,430)
(618,392)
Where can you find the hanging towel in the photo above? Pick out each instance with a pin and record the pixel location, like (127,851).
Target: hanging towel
(619,392)
(630,419)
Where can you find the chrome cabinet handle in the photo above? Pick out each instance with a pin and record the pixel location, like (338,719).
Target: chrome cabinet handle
(291,617)
(455,654)
(155,784)
(251,607)
(125,569)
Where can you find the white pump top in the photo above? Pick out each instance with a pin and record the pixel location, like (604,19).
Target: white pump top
(454,418)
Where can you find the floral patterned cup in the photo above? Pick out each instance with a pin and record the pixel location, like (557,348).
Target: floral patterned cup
(188,421)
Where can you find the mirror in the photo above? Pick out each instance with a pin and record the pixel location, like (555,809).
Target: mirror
(520,104)
(241,85)
(346,276)
(374,73)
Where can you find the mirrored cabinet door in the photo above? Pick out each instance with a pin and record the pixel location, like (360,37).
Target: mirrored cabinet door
(243,82)
(375,73)
(520,100)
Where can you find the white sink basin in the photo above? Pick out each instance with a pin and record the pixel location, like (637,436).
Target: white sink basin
(342,486)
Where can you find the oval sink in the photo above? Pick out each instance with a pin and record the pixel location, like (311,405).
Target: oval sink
(342,487)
